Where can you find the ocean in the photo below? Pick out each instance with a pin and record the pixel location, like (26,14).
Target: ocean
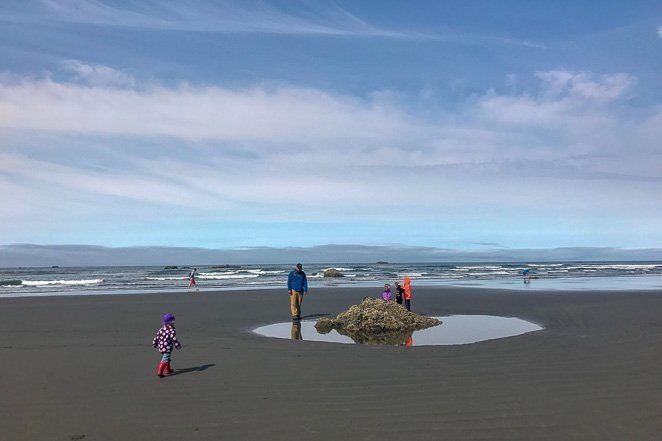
(19,282)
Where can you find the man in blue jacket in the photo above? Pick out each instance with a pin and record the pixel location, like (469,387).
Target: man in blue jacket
(297,286)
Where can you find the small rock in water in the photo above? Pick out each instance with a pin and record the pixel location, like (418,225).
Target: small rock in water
(332,272)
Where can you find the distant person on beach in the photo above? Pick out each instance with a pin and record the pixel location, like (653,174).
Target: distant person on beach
(191,278)
(399,292)
(386,295)
(407,295)
(526,276)
(297,287)
(165,339)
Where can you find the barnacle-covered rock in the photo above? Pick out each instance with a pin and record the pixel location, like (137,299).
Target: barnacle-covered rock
(375,321)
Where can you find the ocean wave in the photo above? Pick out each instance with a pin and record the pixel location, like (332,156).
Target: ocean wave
(265,272)
(482,267)
(219,276)
(492,273)
(166,278)
(61,282)
(410,274)
(620,266)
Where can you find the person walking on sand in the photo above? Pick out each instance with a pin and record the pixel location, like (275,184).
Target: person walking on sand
(165,339)
(191,278)
(399,291)
(386,295)
(407,288)
(297,287)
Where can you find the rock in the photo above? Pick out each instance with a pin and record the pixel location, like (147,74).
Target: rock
(375,321)
(332,272)
(170,267)
(381,262)
(324,325)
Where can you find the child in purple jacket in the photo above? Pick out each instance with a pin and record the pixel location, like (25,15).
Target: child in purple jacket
(386,295)
(165,339)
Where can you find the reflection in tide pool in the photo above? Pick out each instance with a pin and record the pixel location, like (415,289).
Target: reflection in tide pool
(454,330)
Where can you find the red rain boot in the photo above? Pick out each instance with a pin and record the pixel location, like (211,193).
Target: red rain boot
(168,369)
(162,366)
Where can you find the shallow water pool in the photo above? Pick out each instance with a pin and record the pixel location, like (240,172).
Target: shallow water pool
(454,330)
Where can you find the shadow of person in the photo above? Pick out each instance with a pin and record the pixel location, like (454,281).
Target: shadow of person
(201,368)
(295,334)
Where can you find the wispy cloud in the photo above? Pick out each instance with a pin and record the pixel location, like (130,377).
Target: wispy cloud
(572,116)
(263,152)
(238,17)
(303,18)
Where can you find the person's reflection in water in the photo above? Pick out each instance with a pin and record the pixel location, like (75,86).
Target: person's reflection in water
(296,331)
(408,342)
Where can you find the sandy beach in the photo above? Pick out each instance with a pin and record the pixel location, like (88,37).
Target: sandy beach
(82,367)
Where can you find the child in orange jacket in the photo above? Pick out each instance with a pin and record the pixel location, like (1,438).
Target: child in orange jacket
(407,287)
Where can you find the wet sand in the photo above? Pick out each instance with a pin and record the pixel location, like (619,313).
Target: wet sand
(83,368)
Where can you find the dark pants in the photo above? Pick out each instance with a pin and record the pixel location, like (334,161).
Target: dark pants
(398,299)
(408,304)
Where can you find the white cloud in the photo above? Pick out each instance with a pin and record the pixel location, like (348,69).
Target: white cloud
(659,31)
(98,75)
(573,141)
(607,87)
(280,115)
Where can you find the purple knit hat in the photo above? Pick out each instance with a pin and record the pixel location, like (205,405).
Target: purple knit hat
(168,318)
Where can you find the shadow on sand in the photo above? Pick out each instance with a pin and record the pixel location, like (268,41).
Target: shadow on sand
(201,368)
(311,316)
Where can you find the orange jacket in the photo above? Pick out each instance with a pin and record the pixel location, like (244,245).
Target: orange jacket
(407,287)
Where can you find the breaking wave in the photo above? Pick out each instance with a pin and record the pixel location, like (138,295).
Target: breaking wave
(61,282)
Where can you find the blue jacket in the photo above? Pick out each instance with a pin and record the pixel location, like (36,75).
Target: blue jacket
(297,281)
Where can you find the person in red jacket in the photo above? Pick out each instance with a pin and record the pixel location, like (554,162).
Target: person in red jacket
(407,287)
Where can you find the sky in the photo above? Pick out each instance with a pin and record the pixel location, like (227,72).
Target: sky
(228,124)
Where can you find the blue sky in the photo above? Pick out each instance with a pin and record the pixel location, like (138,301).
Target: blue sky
(230,124)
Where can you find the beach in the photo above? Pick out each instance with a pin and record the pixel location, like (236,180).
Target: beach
(82,367)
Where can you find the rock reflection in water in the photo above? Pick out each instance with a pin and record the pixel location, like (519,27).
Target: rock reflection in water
(385,338)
